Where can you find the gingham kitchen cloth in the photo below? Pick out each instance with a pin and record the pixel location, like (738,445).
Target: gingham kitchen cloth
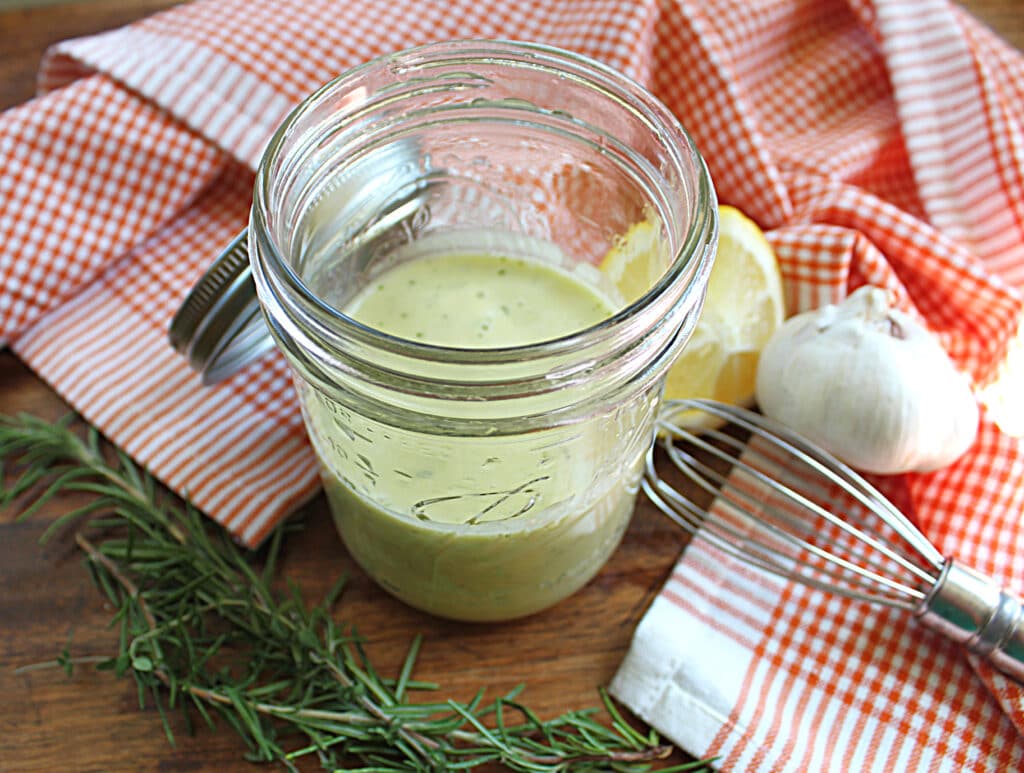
(878,141)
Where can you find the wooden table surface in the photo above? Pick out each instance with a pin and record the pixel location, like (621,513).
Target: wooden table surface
(91,721)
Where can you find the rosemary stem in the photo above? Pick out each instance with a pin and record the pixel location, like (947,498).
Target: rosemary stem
(270,709)
(48,664)
(414,739)
(115,572)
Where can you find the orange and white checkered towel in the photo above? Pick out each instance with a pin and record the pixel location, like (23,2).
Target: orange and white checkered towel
(878,141)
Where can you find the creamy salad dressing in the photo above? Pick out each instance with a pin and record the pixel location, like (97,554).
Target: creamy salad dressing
(478,301)
(467,527)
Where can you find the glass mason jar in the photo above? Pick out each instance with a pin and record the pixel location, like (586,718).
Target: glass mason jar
(481,483)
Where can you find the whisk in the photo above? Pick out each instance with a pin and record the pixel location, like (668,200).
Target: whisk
(781,503)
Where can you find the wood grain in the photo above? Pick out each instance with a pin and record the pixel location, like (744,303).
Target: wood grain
(1006,17)
(93,722)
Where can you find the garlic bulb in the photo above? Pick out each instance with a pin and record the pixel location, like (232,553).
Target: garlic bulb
(870,384)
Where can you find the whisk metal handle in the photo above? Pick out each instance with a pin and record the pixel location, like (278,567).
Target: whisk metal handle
(973,611)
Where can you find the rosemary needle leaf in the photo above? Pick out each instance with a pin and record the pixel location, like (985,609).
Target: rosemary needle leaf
(202,627)
(407,666)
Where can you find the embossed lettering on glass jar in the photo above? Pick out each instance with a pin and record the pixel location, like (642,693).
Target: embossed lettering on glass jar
(473,481)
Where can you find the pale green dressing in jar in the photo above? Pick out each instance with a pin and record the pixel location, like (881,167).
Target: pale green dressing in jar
(477,529)
(478,301)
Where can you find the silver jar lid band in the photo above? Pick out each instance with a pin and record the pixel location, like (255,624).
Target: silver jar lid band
(220,328)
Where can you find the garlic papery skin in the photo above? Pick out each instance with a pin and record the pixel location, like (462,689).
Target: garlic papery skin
(870,384)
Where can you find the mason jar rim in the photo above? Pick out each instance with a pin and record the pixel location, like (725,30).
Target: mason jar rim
(673,136)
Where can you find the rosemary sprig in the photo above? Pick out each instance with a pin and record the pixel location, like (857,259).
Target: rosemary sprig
(202,630)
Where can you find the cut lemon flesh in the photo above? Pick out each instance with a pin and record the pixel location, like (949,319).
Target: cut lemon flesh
(744,307)
(636,262)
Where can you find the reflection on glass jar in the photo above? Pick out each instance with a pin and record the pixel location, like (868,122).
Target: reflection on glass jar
(426,239)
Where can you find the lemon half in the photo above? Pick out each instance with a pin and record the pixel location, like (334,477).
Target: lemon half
(744,307)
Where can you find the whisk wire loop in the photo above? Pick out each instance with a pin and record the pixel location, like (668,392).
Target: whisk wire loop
(820,464)
(824,464)
(868,499)
(724,537)
(782,527)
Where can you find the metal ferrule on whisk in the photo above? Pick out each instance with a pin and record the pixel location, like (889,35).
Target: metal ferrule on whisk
(975,612)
